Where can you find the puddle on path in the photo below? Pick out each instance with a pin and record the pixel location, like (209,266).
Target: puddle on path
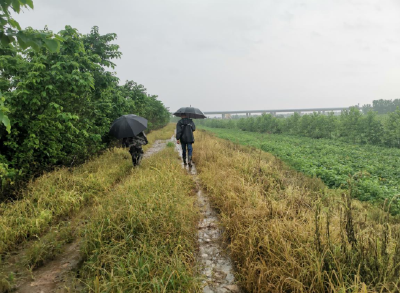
(53,277)
(217,266)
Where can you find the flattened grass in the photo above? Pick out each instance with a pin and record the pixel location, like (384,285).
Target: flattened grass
(289,233)
(142,237)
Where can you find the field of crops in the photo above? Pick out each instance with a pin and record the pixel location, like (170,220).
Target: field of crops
(375,169)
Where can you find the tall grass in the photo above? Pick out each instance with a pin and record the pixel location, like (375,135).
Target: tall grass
(141,237)
(289,233)
(61,193)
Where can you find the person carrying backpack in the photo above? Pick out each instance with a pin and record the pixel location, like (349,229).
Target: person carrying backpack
(184,136)
(135,146)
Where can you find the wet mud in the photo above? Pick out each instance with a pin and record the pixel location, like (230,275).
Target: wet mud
(157,146)
(216,265)
(55,275)
(52,276)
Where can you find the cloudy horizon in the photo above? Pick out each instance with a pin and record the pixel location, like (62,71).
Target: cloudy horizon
(245,55)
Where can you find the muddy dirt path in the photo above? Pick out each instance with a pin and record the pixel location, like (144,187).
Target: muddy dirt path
(216,265)
(53,277)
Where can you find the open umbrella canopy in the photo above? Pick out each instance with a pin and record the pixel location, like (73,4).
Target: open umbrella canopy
(128,126)
(190,112)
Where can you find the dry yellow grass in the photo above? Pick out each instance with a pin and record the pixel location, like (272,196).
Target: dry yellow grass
(289,233)
(61,193)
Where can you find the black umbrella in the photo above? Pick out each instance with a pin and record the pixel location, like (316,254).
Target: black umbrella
(190,112)
(128,126)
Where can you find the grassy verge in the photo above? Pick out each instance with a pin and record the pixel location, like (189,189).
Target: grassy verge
(142,235)
(49,203)
(289,233)
(61,193)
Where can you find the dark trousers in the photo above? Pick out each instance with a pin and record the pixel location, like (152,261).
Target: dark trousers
(137,154)
(189,148)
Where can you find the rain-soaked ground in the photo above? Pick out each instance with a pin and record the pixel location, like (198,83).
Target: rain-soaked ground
(53,277)
(216,265)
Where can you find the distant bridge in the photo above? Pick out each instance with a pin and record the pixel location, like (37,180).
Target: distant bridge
(274,112)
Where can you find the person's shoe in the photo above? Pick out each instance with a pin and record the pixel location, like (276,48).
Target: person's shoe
(190,161)
(184,161)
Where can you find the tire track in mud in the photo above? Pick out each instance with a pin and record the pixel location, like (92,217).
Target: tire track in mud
(53,276)
(216,265)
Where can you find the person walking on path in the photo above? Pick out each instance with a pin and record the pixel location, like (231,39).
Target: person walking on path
(184,135)
(135,146)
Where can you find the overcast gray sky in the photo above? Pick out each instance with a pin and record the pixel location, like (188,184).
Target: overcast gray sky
(245,54)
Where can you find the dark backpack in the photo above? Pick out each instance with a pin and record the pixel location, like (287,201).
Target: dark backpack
(187,133)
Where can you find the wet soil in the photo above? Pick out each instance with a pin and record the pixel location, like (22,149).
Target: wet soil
(55,275)
(157,146)
(51,277)
(216,265)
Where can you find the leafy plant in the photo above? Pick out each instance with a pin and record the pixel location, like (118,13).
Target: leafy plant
(62,105)
(11,32)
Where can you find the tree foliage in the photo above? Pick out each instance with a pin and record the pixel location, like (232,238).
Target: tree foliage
(382,106)
(61,105)
(12,34)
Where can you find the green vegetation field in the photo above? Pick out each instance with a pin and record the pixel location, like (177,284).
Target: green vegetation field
(376,169)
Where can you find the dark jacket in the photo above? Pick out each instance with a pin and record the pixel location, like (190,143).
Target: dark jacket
(184,130)
(136,141)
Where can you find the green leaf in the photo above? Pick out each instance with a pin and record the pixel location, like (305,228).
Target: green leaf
(35,43)
(29,3)
(3,21)
(52,45)
(23,37)
(16,5)
(38,42)
(5,121)
(11,39)
(57,37)
(22,43)
(4,39)
(14,23)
